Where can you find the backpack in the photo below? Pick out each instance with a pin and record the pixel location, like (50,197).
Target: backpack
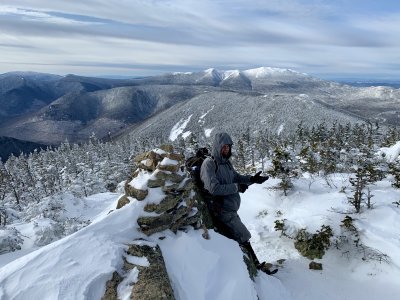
(193,166)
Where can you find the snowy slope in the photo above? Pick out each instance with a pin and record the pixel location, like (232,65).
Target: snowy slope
(78,266)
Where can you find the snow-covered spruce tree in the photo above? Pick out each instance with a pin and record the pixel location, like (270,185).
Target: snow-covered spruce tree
(391,137)
(313,245)
(309,163)
(249,146)
(3,181)
(262,146)
(358,184)
(394,169)
(241,155)
(301,135)
(10,240)
(14,184)
(350,243)
(283,167)
(193,142)
(365,174)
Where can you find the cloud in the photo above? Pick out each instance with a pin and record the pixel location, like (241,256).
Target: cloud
(307,35)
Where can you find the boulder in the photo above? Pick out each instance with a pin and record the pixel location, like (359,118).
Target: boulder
(315,266)
(122,201)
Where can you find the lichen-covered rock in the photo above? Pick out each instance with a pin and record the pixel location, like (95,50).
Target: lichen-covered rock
(169,167)
(153,281)
(151,225)
(122,201)
(169,202)
(193,220)
(148,161)
(185,185)
(140,157)
(153,183)
(111,287)
(169,176)
(135,193)
(167,148)
(170,188)
(148,164)
(315,266)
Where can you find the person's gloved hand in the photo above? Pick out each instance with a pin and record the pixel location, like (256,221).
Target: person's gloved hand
(242,187)
(258,178)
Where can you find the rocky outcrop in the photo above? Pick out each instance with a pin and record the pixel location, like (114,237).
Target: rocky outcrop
(153,281)
(111,287)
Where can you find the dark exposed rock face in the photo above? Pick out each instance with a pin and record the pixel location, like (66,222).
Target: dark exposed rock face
(111,287)
(153,281)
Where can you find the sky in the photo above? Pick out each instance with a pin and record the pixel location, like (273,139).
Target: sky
(328,39)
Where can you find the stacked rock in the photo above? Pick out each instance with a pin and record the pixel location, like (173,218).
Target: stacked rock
(169,202)
(167,192)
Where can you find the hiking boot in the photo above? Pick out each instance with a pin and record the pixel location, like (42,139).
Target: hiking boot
(266,268)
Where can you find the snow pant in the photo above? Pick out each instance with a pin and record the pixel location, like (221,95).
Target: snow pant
(230,225)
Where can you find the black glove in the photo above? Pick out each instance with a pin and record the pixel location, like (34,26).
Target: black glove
(258,178)
(242,187)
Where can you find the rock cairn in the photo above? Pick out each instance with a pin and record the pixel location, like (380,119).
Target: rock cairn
(169,202)
(161,182)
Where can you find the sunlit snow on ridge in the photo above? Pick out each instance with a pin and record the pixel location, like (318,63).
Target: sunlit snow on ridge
(178,128)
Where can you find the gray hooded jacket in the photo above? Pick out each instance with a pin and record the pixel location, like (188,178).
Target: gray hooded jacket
(224,181)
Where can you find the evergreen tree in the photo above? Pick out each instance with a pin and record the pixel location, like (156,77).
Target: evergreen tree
(394,169)
(283,168)
(262,147)
(240,151)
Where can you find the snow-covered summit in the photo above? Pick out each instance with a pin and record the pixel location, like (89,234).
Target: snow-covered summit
(213,73)
(231,74)
(269,71)
(250,74)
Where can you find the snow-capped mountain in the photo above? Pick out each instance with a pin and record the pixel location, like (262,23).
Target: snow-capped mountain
(50,109)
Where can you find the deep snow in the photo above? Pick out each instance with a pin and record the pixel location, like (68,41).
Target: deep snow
(78,266)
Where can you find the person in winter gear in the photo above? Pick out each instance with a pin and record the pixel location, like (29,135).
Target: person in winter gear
(224,184)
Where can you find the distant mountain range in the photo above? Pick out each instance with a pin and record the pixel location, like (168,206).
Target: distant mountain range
(48,109)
